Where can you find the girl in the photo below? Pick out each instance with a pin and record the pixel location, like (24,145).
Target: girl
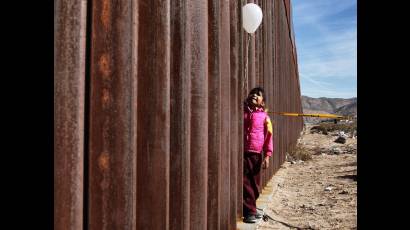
(257,138)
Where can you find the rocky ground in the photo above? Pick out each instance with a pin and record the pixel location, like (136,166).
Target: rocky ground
(320,193)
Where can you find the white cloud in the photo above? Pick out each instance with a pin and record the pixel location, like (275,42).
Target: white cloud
(327,42)
(313,11)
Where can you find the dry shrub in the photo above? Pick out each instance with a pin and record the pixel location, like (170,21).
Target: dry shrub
(300,152)
(318,150)
(318,129)
(345,127)
(331,127)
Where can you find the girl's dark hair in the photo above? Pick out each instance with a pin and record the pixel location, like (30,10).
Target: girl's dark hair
(257,90)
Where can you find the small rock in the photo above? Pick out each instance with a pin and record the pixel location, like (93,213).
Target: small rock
(340,140)
(328,189)
(344,192)
(336,151)
(342,134)
(288,157)
(307,207)
(350,150)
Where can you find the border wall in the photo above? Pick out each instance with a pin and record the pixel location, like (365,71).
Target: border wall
(148,109)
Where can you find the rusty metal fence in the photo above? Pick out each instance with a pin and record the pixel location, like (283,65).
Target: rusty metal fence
(148,109)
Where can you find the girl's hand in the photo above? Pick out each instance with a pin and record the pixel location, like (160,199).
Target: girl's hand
(265,163)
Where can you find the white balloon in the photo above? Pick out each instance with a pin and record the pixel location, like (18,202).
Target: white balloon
(251,17)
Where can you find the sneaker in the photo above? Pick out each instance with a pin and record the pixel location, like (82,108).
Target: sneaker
(259,214)
(250,219)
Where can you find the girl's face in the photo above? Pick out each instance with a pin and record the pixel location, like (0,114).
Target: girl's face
(256,99)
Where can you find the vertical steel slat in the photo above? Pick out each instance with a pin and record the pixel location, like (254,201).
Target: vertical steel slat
(271,76)
(224,52)
(280,67)
(69,95)
(285,89)
(275,86)
(153,114)
(280,58)
(112,150)
(281,84)
(264,69)
(215,110)
(235,113)
(261,45)
(259,70)
(259,60)
(241,93)
(180,117)
(199,113)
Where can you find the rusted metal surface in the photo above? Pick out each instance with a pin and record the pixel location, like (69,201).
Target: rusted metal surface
(153,115)
(69,91)
(241,94)
(225,74)
(235,93)
(268,66)
(289,17)
(112,131)
(179,206)
(199,113)
(215,111)
(287,89)
(166,110)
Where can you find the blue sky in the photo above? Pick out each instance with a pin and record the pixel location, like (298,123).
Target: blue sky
(326,42)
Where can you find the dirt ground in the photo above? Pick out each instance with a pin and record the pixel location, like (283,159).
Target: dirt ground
(320,193)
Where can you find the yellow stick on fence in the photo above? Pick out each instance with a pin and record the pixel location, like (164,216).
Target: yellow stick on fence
(312,115)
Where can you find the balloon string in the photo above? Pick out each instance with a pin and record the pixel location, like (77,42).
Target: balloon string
(245,83)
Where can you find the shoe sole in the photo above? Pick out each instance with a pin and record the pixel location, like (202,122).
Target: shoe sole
(251,222)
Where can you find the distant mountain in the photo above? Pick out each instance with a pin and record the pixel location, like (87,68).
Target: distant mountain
(338,106)
(348,110)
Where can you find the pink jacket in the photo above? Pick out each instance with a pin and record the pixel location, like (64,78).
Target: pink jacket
(257,131)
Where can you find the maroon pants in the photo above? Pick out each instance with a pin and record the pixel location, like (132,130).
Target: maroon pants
(252,163)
